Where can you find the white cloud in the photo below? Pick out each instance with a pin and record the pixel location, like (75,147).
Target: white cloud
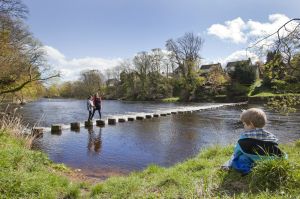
(71,68)
(239,31)
(232,30)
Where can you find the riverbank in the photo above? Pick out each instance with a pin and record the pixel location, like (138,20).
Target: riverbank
(264,97)
(30,174)
(200,177)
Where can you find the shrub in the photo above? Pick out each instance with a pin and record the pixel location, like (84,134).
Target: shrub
(297,143)
(271,175)
(284,105)
(237,89)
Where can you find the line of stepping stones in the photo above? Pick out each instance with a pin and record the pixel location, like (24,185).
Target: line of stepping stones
(57,128)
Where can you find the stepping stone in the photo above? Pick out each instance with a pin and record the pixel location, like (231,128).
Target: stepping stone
(88,123)
(131,119)
(148,116)
(121,120)
(112,121)
(100,122)
(56,129)
(75,126)
(140,117)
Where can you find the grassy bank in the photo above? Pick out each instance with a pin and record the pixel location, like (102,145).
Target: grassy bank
(201,177)
(264,97)
(170,99)
(26,173)
(270,94)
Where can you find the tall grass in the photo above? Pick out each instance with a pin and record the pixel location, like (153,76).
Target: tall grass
(25,173)
(12,124)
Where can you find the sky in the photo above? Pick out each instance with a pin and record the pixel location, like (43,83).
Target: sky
(97,34)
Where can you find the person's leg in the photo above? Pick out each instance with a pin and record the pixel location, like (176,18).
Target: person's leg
(94,110)
(90,115)
(99,110)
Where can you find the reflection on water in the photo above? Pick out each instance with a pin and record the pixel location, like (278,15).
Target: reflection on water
(95,142)
(125,147)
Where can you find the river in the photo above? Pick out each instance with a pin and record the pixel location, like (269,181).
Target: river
(131,146)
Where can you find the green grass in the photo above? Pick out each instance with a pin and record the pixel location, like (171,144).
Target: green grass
(30,174)
(26,173)
(201,177)
(170,99)
(270,94)
(255,85)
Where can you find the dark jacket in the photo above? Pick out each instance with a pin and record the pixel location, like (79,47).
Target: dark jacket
(97,102)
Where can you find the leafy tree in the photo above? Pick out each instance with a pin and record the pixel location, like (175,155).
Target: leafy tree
(274,69)
(185,54)
(142,64)
(21,57)
(217,80)
(91,82)
(244,72)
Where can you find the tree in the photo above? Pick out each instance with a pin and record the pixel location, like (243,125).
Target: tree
(282,46)
(216,79)
(185,53)
(142,64)
(92,82)
(21,57)
(13,9)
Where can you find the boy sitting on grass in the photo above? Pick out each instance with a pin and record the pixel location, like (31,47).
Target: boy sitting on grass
(254,144)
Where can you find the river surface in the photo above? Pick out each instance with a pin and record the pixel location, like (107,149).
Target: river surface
(131,146)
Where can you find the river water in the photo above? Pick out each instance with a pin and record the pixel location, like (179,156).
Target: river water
(131,146)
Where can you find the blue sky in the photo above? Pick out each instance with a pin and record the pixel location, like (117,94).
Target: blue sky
(102,32)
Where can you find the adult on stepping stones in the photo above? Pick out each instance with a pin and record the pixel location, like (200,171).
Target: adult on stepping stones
(90,107)
(97,102)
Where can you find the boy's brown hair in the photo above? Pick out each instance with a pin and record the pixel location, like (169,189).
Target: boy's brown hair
(254,116)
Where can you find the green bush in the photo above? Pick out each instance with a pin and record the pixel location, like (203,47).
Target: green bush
(284,104)
(271,175)
(278,86)
(297,143)
(237,89)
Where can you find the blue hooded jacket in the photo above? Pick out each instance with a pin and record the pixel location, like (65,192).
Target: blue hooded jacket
(249,150)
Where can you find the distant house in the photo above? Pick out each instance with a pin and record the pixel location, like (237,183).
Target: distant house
(230,67)
(210,67)
(112,82)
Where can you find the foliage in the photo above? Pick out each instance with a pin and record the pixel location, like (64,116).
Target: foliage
(274,69)
(185,54)
(272,174)
(90,82)
(285,104)
(170,99)
(244,72)
(253,89)
(21,55)
(237,89)
(215,83)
